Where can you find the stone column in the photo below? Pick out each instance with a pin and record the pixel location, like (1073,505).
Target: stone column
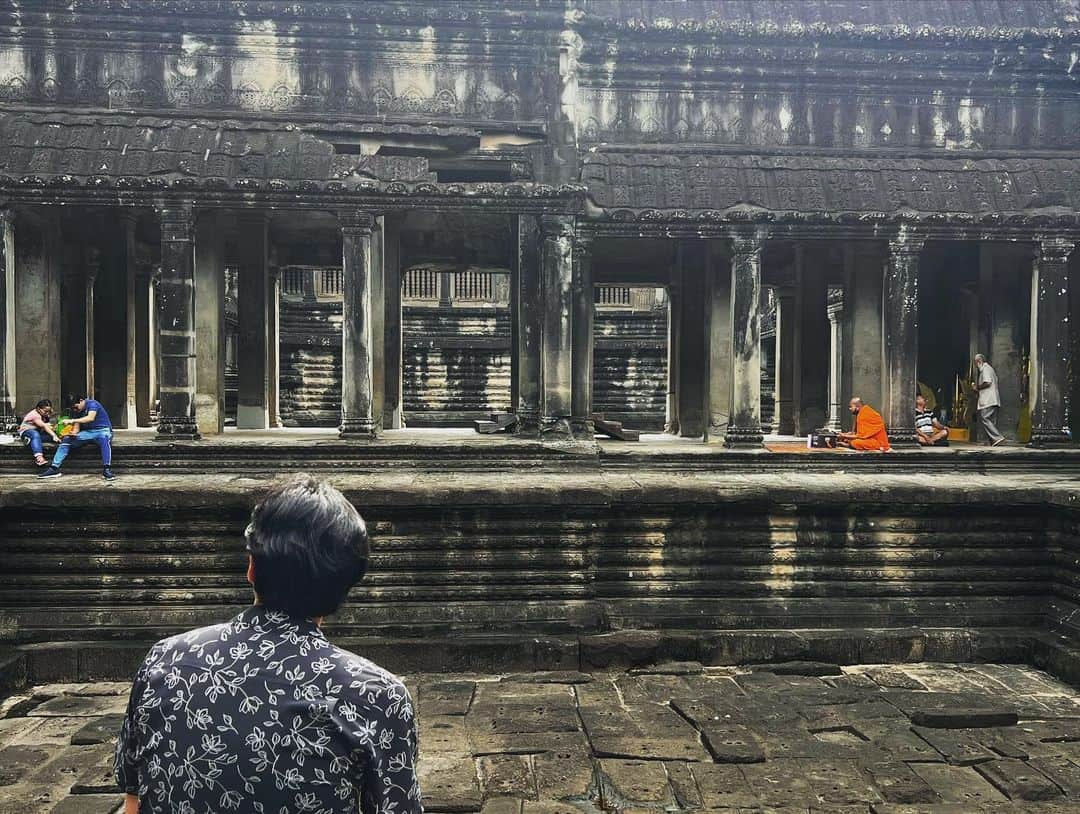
(901,336)
(145,343)
(252,412)
(273,346)
(836,362)
(378,327)
(128,221)
(210,324)
(557,320)
(8,417)
(744,426)
(528,311)
(810,394)
(1050,342)
(176,326)
(785,361)
(93,268)
(863,326)
(357,263)
(675,298)
(392,401)
(717,342)
(584,311)
(692,359)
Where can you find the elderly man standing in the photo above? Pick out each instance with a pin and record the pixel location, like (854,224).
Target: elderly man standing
(262,713)
(989,400)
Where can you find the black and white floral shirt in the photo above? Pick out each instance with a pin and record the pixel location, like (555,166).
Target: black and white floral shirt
(263,714)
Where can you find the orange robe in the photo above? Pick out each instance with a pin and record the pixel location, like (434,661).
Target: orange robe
(869,430)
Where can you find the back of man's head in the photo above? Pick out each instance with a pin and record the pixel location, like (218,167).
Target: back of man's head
(309,547)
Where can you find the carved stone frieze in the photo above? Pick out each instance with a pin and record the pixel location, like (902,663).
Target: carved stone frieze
(678,186)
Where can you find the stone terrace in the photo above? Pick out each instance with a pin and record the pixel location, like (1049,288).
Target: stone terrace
(795,737)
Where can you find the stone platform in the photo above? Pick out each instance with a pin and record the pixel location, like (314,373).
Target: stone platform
(793,738)
(252,451)
(570,569)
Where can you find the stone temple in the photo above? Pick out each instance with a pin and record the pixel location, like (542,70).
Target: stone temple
(554,291)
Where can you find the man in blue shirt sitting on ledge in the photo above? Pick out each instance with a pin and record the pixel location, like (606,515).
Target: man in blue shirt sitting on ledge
(94,428)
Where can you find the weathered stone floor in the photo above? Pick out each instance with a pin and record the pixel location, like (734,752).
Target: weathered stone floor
(791,738)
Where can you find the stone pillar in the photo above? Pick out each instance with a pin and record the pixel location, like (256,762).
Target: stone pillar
(392,400)
(901,336)
(93,269)
(836,362)
(128,221)
(785,360)
(744,426)
(528,311)
(8,417)
(862,375)
(176,326)
(581,407)
(692,358)
(1050,342)
(378,327)
(273,347)
(717,342)
(810,394)
(252,412)
(146,344)
(210,324)
(557,320)
(357,263)
(41,298)
(675,298)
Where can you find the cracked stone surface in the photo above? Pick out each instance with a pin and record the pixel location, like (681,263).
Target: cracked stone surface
(896,739)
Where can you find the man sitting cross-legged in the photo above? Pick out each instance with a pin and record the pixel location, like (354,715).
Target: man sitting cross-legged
(869,432)
(262,713)
(929,432)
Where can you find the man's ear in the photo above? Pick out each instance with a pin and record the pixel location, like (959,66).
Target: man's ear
(251,570)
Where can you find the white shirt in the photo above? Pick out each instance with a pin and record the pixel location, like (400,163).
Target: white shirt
(988,396)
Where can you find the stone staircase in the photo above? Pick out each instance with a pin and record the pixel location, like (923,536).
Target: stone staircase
(310,364)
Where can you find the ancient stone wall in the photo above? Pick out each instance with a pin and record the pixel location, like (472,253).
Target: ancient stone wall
(632,552)
(630,367)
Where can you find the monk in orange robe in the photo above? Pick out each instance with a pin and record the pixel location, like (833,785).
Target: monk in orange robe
(869,431)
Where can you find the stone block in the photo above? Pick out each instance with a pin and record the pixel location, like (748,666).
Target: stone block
(444,697)
(564,775)
(799,668)
(526,743)
(625,783)
(670,668)
(98,730)
(648,748)
(51,732)
(683,786)
(551,677)
(1063,771)
(727,742)
(442,734)
(80,706)
(958,784)
(897,783)
(16,762)
(449,783)
(1019,781)
(89,804)
(957,747)
(506,776)
(723,787)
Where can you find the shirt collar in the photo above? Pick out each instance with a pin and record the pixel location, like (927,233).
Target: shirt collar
(274,620)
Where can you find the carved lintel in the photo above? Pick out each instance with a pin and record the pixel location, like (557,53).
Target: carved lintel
(177,222)
(748,242)
(1054,250)
(356,221)
(554,227)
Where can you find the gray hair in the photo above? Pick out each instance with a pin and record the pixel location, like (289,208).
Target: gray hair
(979,357)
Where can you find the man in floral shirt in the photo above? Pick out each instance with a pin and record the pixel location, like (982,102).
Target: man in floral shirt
(262,713)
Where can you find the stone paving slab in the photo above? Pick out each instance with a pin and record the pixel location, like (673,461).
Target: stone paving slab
(677,738)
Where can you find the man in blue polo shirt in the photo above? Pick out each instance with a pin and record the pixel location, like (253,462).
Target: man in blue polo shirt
(94,428)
